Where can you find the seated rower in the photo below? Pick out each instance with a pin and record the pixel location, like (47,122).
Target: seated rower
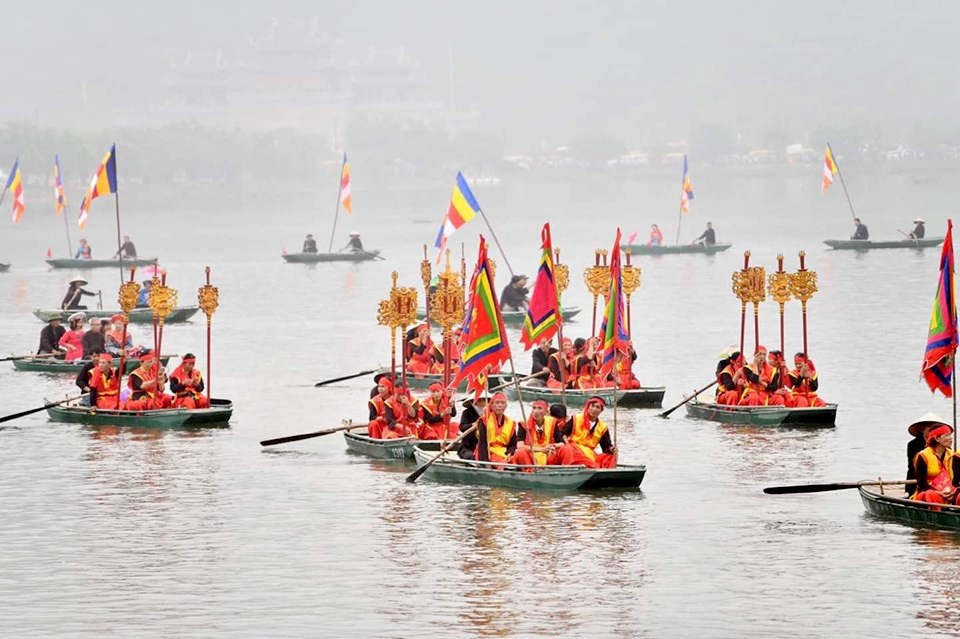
(541,358)
(472,410)
(50,336)
(105,384)
(376,383)
(378,406)
(435,414)
(918,430)
(402,414)
(497,433)
(561,367)
(583,434)
(540,439)
(762,382)
(420,352)
(309,244)
(802,380)
(147,384)
(937,468)
(186,384)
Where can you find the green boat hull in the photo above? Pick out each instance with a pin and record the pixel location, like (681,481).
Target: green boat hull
(217,415)
(59,367)
(313,258)
(137,315)
(82,265)
(515,318)
(424,381)
(399,449)
(674,249)
(890,504)
(866,245)
(824,417)
(573,397)
(452,469)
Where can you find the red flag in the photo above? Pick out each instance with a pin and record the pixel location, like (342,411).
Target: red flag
(543,314)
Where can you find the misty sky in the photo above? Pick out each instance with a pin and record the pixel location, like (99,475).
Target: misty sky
(537,71)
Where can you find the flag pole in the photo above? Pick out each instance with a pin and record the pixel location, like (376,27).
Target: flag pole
(494,235)
(116,201)
(66,225)
(560,360)
(336,213)
(842,183)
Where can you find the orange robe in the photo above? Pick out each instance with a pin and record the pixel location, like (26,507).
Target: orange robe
(191,397)
(939,476)
(540,439)
(107,387)
(580,450)
(154,399)
(378,414)
(804,391)
(432,426)
(757,393)
(498,437)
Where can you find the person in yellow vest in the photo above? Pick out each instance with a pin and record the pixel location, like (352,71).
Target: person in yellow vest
(586,432)
(496,433)
(435,413)
(186,383)
(936,468)
(402,416)
(147,384)
(539,438)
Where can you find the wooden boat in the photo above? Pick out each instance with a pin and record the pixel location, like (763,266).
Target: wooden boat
(764,415)
(451,468)
(82,265)
(866,245)
(891,502)
(60,367)
(313,258)
(361,443)
(217,415)
(137,315)
(673,249)
(651,397)
(517,317)
(4,267)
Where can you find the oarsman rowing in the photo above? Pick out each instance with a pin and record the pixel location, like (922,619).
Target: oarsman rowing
(473,410)
(71,301)
(50,336)
(586,432)
(539,438)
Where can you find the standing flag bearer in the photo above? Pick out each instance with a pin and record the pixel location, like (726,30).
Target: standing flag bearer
(15,186)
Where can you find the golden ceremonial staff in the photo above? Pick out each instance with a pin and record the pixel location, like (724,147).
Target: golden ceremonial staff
(398,311)
(129,292)
(741,288)
(803,284)
(163,300)
(209,298)
(630,277)
(463,266)
(561,278)
(425,276)
(779,288)
(597,279)
(447,307)
(758,293)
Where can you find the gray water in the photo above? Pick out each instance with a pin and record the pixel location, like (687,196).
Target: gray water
(138,533)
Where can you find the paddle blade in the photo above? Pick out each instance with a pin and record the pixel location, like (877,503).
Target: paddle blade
(810,488)
(344,378)
(302,436)
(415,475)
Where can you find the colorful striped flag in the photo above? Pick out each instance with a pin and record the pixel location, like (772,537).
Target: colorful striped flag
(937,369)
(58,193)
(346,200)
(15,186)
(829,169)
(463,208)
(104,182)
(543,314)
(613,330)
(686,189)
(485,342)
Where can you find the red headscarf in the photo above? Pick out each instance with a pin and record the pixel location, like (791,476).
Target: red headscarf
(942,429)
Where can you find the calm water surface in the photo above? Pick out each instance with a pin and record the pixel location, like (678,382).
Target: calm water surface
(136,533)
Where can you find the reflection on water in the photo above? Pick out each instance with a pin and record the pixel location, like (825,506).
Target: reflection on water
(935,573)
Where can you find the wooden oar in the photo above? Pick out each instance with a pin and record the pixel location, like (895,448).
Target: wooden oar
(415,475)
(666,413)
(17,357)
(319,433)
(521,378)
(823,488)
(42,408)
(345,377)
(909,236)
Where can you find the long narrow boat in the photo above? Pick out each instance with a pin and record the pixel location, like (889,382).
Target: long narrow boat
(451,468)
(217,415)
(82,265)
(650,397)
(361,443)
(825,416)
(137,315)
(891,502)
(60,367)
(673,249)
(866,245)
(313,258)
(517,317)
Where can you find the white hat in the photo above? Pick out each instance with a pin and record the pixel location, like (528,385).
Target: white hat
(354,233)
(78,316)
(930,419)
(79,279)
(919,220)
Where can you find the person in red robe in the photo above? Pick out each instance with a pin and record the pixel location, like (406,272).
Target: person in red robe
(378,407)
(730,379)
(936,468)
(561,366)
(435,414)
(496,433)
(586,432)
(402,415)
(763,380)
(105,384)
(803,382)
(539,438)
(72,340)
(420,352)
(147,383)
(585,364)
(186,384)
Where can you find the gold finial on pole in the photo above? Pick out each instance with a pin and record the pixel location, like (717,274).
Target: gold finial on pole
(562,274)
(743,290)
(425,276)
(597,279)
(630,277)
(208,296)
(803,284)
(779,289)
(447,308)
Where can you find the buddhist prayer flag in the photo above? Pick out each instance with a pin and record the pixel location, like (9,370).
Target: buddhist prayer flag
(543,314)
(937,368)
(485,342)
(613,330)
(463,208)
(104,182)
(15,186)
(829,169)
(345,199)
(58,193)
(686,189)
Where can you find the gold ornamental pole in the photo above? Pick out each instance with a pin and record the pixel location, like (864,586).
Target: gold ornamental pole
(447,309)
(779,289)
(741,288)
(803,284)
(425,276)
(403,300)
(163,300)
(630,276)
(561,277)
(208,296)
(757,278)
(129,292)
(597,279)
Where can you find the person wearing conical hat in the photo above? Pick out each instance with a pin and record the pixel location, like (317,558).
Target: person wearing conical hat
(71,301)
(50,336)
(584,433)
(355,245)
(919,230)
(936,467)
